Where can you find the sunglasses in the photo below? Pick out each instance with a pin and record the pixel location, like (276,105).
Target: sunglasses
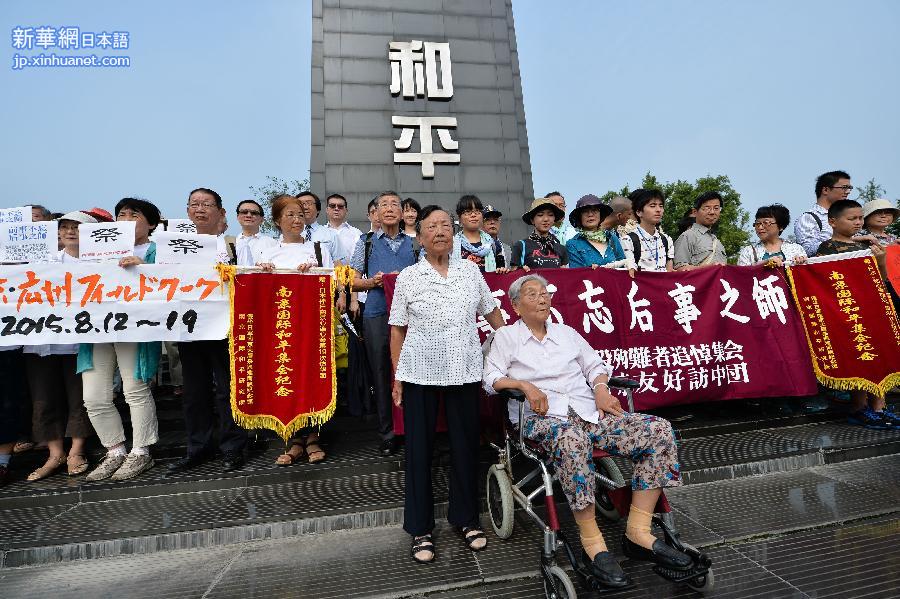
(249,212)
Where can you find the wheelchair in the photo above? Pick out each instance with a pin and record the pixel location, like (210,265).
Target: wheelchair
(613,498)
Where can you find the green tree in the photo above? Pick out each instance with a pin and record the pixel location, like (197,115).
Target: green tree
(274,187)
(680,196)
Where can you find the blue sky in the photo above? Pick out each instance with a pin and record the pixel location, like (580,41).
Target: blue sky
(770,93)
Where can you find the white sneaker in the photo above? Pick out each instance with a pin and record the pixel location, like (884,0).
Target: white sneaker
(107,468)
(134,464)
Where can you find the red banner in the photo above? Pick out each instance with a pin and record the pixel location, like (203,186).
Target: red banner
(282,351)
(723,332)
(850,323)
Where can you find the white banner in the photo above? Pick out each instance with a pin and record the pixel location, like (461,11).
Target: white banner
(185,248)
(105,241)
(28,242)
(15,215)
(103,303)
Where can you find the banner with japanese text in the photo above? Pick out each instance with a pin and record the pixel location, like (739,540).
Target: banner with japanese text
(282,350)
(850,323)
(58,302)
(722,332)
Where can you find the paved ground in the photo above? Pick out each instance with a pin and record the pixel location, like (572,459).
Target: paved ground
(830,531)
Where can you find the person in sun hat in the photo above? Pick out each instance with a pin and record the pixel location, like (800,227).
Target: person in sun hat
(593,246)
(878,215)
(541,249)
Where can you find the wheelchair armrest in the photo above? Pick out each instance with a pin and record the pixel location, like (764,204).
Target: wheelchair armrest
(618,382)
(512,394)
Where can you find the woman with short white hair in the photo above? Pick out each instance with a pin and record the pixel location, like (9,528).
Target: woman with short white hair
(569,412)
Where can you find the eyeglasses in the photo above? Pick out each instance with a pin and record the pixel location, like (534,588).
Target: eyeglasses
(546,295)
(249,213)
(715,208)
(337,207)
(292,215)
(844,187)
(203,205)
(470,211)
(764,223)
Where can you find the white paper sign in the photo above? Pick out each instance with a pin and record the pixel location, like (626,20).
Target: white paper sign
(181,225)
(102,302)
(15,215)
(28,242)
(105,241)
(185,248)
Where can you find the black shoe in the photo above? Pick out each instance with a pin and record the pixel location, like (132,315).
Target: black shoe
(661,554)
(187,463)
(232,460)
(607,570)
(388,447)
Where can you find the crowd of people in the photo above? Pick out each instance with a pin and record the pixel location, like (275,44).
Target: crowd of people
(425,344)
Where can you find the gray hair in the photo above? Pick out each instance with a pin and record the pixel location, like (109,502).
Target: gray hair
(516,287)
(620,204)
(45,214)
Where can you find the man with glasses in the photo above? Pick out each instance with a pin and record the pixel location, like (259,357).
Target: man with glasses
(698,246)
(563,230)
(312,206)
(812,228)
(347,234)
(250,217)
(205,364)
(387,250)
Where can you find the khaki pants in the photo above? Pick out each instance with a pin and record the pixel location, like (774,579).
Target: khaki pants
(98,396)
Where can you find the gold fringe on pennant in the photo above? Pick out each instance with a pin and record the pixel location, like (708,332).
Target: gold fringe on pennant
(842,384)
(266,421)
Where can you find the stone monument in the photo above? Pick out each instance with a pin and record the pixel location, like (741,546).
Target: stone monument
(419,96)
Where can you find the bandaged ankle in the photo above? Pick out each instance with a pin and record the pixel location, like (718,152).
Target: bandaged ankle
(591,538)
(637,529)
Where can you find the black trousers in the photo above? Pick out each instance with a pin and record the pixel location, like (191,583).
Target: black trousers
(377,336)
(420,410)
(207,390)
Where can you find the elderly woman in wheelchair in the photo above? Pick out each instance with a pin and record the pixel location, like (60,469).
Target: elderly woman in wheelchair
(569,411)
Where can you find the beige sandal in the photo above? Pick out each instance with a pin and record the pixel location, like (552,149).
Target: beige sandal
(52,465)
(288,457)
(80,468)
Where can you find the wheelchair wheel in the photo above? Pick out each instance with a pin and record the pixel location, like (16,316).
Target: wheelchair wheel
(705,583)
(500,501)
(564,587)
(608,468)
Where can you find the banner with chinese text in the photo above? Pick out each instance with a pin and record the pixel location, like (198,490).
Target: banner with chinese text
(282,351)
(850,323)
(56,302)
(723,332)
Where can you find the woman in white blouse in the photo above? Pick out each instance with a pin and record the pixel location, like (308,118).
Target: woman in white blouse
(569,412)
(770,223)
(295,253)
(435,351)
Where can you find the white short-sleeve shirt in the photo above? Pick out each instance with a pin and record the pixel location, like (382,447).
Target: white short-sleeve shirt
(292,255)
(441,346)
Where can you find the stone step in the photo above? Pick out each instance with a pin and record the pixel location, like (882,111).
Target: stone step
(829,531)
(62,518)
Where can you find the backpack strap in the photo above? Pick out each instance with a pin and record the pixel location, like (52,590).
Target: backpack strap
(755,255)
(367,251)
(317,248)
(815,218)
(636,244)
(665,242)
(522,241)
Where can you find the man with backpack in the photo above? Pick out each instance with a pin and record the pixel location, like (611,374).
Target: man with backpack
(386,250)
(812,228)
(647,248)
